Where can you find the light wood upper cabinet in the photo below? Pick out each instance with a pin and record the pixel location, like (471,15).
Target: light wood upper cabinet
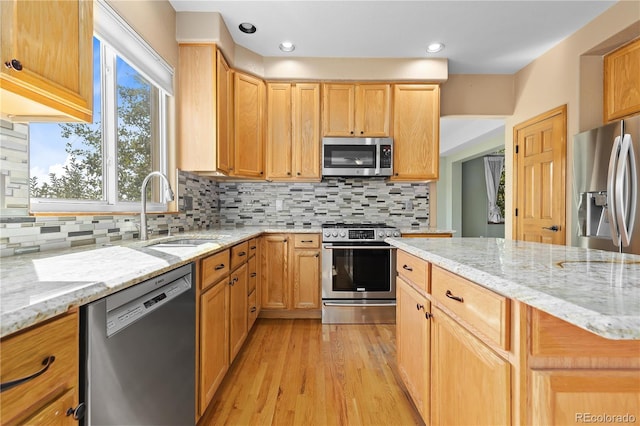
(248,126)
(224,111)
(622,82)
(358,110)
(416,132)
(50,47)
(293,131)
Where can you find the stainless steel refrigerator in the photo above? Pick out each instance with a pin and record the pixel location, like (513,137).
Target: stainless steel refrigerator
(605,213)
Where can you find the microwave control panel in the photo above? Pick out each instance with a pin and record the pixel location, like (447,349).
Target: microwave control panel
(386,156)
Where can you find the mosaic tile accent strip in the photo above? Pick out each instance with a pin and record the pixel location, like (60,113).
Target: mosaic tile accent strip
(332,200)
(20,235)
(14,168)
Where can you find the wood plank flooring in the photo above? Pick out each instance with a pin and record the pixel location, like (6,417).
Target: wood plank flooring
(300,372)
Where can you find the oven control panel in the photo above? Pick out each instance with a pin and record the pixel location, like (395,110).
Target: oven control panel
(360,234)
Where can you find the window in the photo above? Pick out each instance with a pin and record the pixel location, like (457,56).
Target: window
(100,166)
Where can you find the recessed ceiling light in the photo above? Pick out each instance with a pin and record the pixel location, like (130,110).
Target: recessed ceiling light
(435,47)
(247,28)
(287,46)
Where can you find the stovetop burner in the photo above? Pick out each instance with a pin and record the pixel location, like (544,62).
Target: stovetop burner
(355,225)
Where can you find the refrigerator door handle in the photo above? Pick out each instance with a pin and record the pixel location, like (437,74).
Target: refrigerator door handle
(624,204)
(611,199)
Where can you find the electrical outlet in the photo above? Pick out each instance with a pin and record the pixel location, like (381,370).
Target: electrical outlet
(408,205)
(188,203)
(279,205)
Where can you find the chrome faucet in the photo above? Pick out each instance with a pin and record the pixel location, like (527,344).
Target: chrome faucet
(143,214)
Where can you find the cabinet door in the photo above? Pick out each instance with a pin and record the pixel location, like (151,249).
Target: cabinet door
(247,125)
(373,106)
(224,112)
(306,279)
(622,82)
(471,383)
(53,42)
(306,131)
(238,310)
(562,397)
(275,271)
(416,131)
(338,110)
(413,340)
(279,116)
(214,341)
(197,108)
(55,413)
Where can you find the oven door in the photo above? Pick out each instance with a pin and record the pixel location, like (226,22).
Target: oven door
(359,271)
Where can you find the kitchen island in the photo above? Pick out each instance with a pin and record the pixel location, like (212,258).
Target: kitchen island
(517,332)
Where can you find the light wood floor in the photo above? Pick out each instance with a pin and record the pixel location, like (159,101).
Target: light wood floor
(300,372)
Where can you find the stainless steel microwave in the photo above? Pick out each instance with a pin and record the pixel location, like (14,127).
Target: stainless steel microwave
(357,156)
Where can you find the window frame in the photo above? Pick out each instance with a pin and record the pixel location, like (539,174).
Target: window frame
(118,39)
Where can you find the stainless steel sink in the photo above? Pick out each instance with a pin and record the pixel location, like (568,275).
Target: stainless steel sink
(185,242)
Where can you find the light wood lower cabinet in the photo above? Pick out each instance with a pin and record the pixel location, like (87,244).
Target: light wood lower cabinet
(238,310)
(45,399)
(413,340)
(471,383)
(562,397)
(214,341)
(291,275)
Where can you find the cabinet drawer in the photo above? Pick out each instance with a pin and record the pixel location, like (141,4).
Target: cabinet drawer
(253,309)
(253,273)
(239,254)
(483,309)
(253,247)
(23,355)
(306,241)
(214,267)
(413,269)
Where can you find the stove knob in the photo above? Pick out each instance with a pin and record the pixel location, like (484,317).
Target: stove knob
(396,234)
(327,234)
(388,234)
(343,234)
(381,234)
(334,233)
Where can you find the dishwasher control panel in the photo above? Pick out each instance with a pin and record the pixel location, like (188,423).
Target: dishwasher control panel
(129,313)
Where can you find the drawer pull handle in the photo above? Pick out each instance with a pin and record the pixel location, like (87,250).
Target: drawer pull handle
(306,241)
(242,253)
(13,383)
(252,247)
(220,266)
(419,306)
(451,296)
(253,309)
(253,275)
(233,281)
(407,268)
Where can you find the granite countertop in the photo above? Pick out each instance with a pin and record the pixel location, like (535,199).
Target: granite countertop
(596,290)
(39,286)
(425,230)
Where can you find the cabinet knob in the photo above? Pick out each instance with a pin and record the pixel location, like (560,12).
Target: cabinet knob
(298,173)
(351,132)
(396,174)
(261,173)
(77,412)
(428,315)
(288,173)
(361,132)
(15,64)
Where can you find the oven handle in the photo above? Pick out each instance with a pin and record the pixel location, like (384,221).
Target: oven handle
(359,247)
(359,305)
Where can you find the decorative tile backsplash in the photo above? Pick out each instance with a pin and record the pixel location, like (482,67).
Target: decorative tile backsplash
(230,204)
(27,234)
(332,200)
(14,168)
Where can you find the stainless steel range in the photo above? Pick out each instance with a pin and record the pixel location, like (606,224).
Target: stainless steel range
(358,281)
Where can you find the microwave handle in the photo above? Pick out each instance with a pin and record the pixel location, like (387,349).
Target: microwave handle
(376,172)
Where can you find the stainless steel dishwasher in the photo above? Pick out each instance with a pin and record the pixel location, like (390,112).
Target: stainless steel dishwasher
(138,352)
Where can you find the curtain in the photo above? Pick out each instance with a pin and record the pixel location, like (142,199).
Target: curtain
(492,170)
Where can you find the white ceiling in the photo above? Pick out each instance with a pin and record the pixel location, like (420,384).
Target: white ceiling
(481,37)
